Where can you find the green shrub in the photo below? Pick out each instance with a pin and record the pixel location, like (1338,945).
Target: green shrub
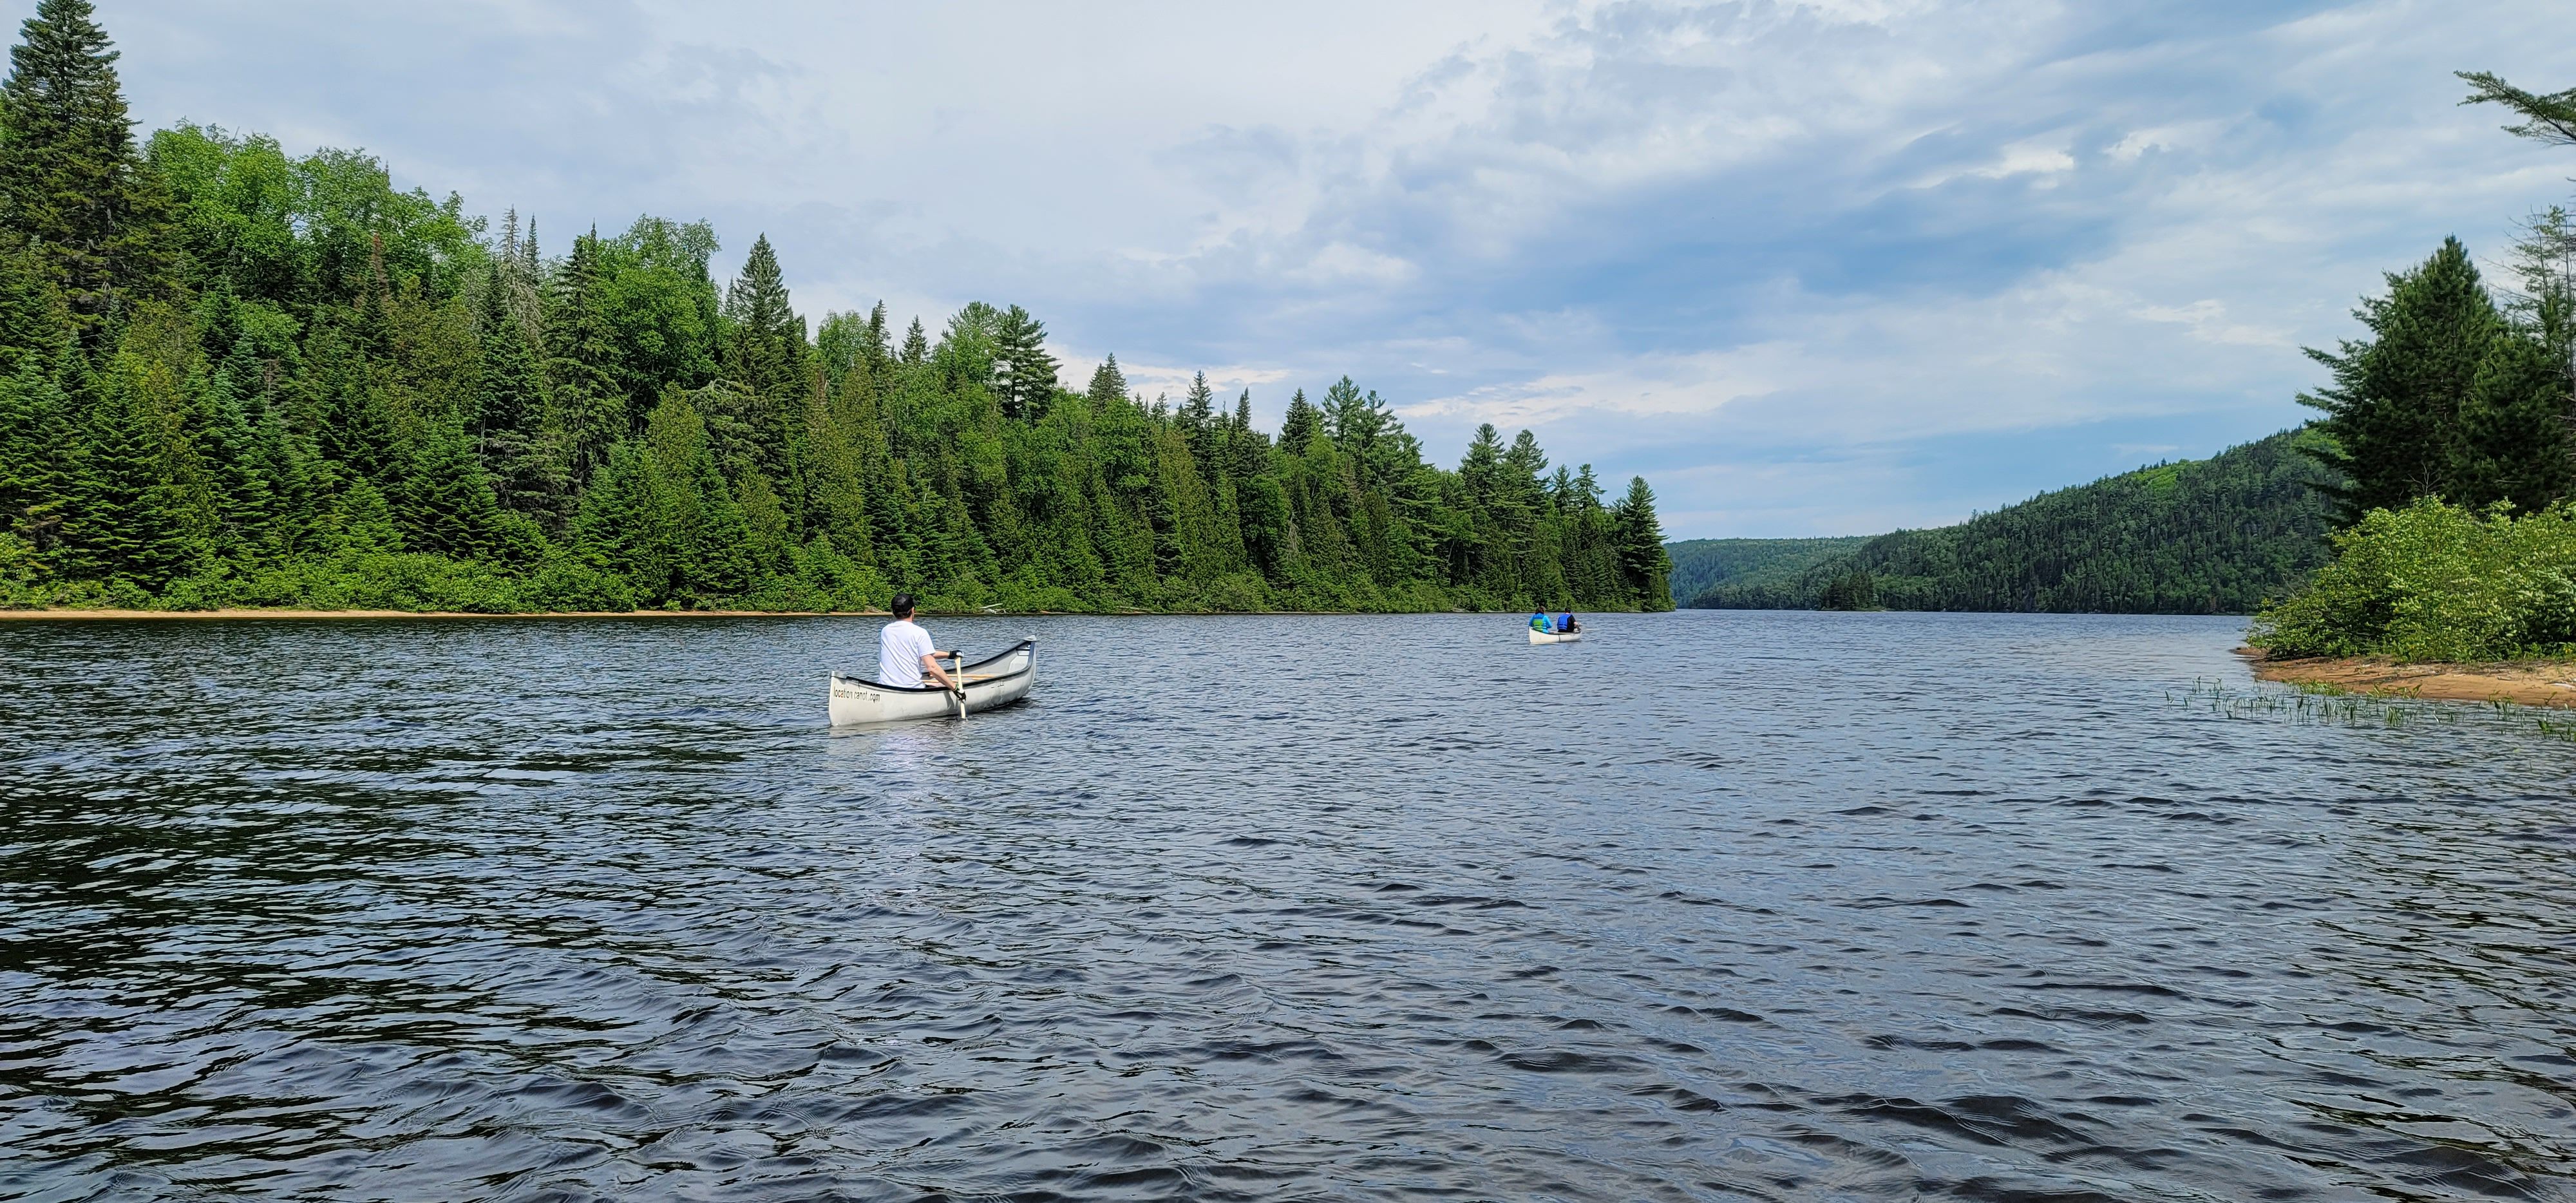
(568,584)
(2437,582)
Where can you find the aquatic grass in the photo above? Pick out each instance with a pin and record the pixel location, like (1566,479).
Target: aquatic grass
(2322,704)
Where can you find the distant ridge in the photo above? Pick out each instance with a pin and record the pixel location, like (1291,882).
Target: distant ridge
(1703,564)
(2213,536)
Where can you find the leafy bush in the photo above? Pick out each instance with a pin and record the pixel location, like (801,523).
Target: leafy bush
(2435,581)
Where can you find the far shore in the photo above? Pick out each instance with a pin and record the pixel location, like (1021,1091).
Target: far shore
(2522,682)
(6,615)
(243,612)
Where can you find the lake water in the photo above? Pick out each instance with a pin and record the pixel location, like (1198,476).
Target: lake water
(1713,905)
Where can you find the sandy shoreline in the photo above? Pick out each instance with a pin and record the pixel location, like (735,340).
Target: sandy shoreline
(2523,683)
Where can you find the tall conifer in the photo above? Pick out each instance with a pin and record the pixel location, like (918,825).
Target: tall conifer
(2392,414)
(581,371)
(1302,424)
(1108,385)
(37,454)
(1642,558)
(1024,372)
(446,501)
(74,195)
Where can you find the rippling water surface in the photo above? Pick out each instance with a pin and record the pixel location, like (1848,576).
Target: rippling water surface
(1710,906)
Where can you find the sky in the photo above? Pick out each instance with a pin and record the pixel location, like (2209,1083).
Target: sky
(1826,267)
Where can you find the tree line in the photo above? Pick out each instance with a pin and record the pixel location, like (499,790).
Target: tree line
(234,376)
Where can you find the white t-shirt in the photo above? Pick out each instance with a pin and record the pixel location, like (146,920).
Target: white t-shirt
(899,651)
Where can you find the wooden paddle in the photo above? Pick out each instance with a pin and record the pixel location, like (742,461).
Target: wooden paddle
(957,674)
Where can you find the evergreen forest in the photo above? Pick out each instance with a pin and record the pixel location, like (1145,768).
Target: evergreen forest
(1700,565)
(234,376)
(2216,536)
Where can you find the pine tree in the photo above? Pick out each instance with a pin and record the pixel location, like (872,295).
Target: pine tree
(2547,118)
(74,195)
(916,345)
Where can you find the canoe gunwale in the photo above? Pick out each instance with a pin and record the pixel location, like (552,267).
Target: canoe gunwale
(1004,654)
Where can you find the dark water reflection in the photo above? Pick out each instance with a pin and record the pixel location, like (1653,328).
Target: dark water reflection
(1712,906)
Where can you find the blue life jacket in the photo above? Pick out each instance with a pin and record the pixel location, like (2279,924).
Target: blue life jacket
(1565,623)
(1538,622)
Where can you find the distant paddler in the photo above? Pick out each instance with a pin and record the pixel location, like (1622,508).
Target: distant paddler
(905,654)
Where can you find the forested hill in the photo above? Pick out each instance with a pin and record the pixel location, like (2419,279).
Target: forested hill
(234,376)
(2213,536)
(1703,564)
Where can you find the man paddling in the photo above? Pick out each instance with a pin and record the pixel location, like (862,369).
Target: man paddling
(905,653)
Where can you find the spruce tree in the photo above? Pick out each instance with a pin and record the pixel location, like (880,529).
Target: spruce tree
(1640,537)
(354,430)
(765,355)
(220,430)
(1024,374)
(589,407)
(37,453)
(764,338)
(446,501)
(1302,424)
(362,522)
(510,409)
(916,345)
(290,469)
(32,317)
(1108,385)
(129,517)
(1248,450)
(2392,415)
(74,195)
(875,352)
(2513,441)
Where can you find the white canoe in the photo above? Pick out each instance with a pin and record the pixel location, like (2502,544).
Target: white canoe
(1539,636)
(1000,681)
